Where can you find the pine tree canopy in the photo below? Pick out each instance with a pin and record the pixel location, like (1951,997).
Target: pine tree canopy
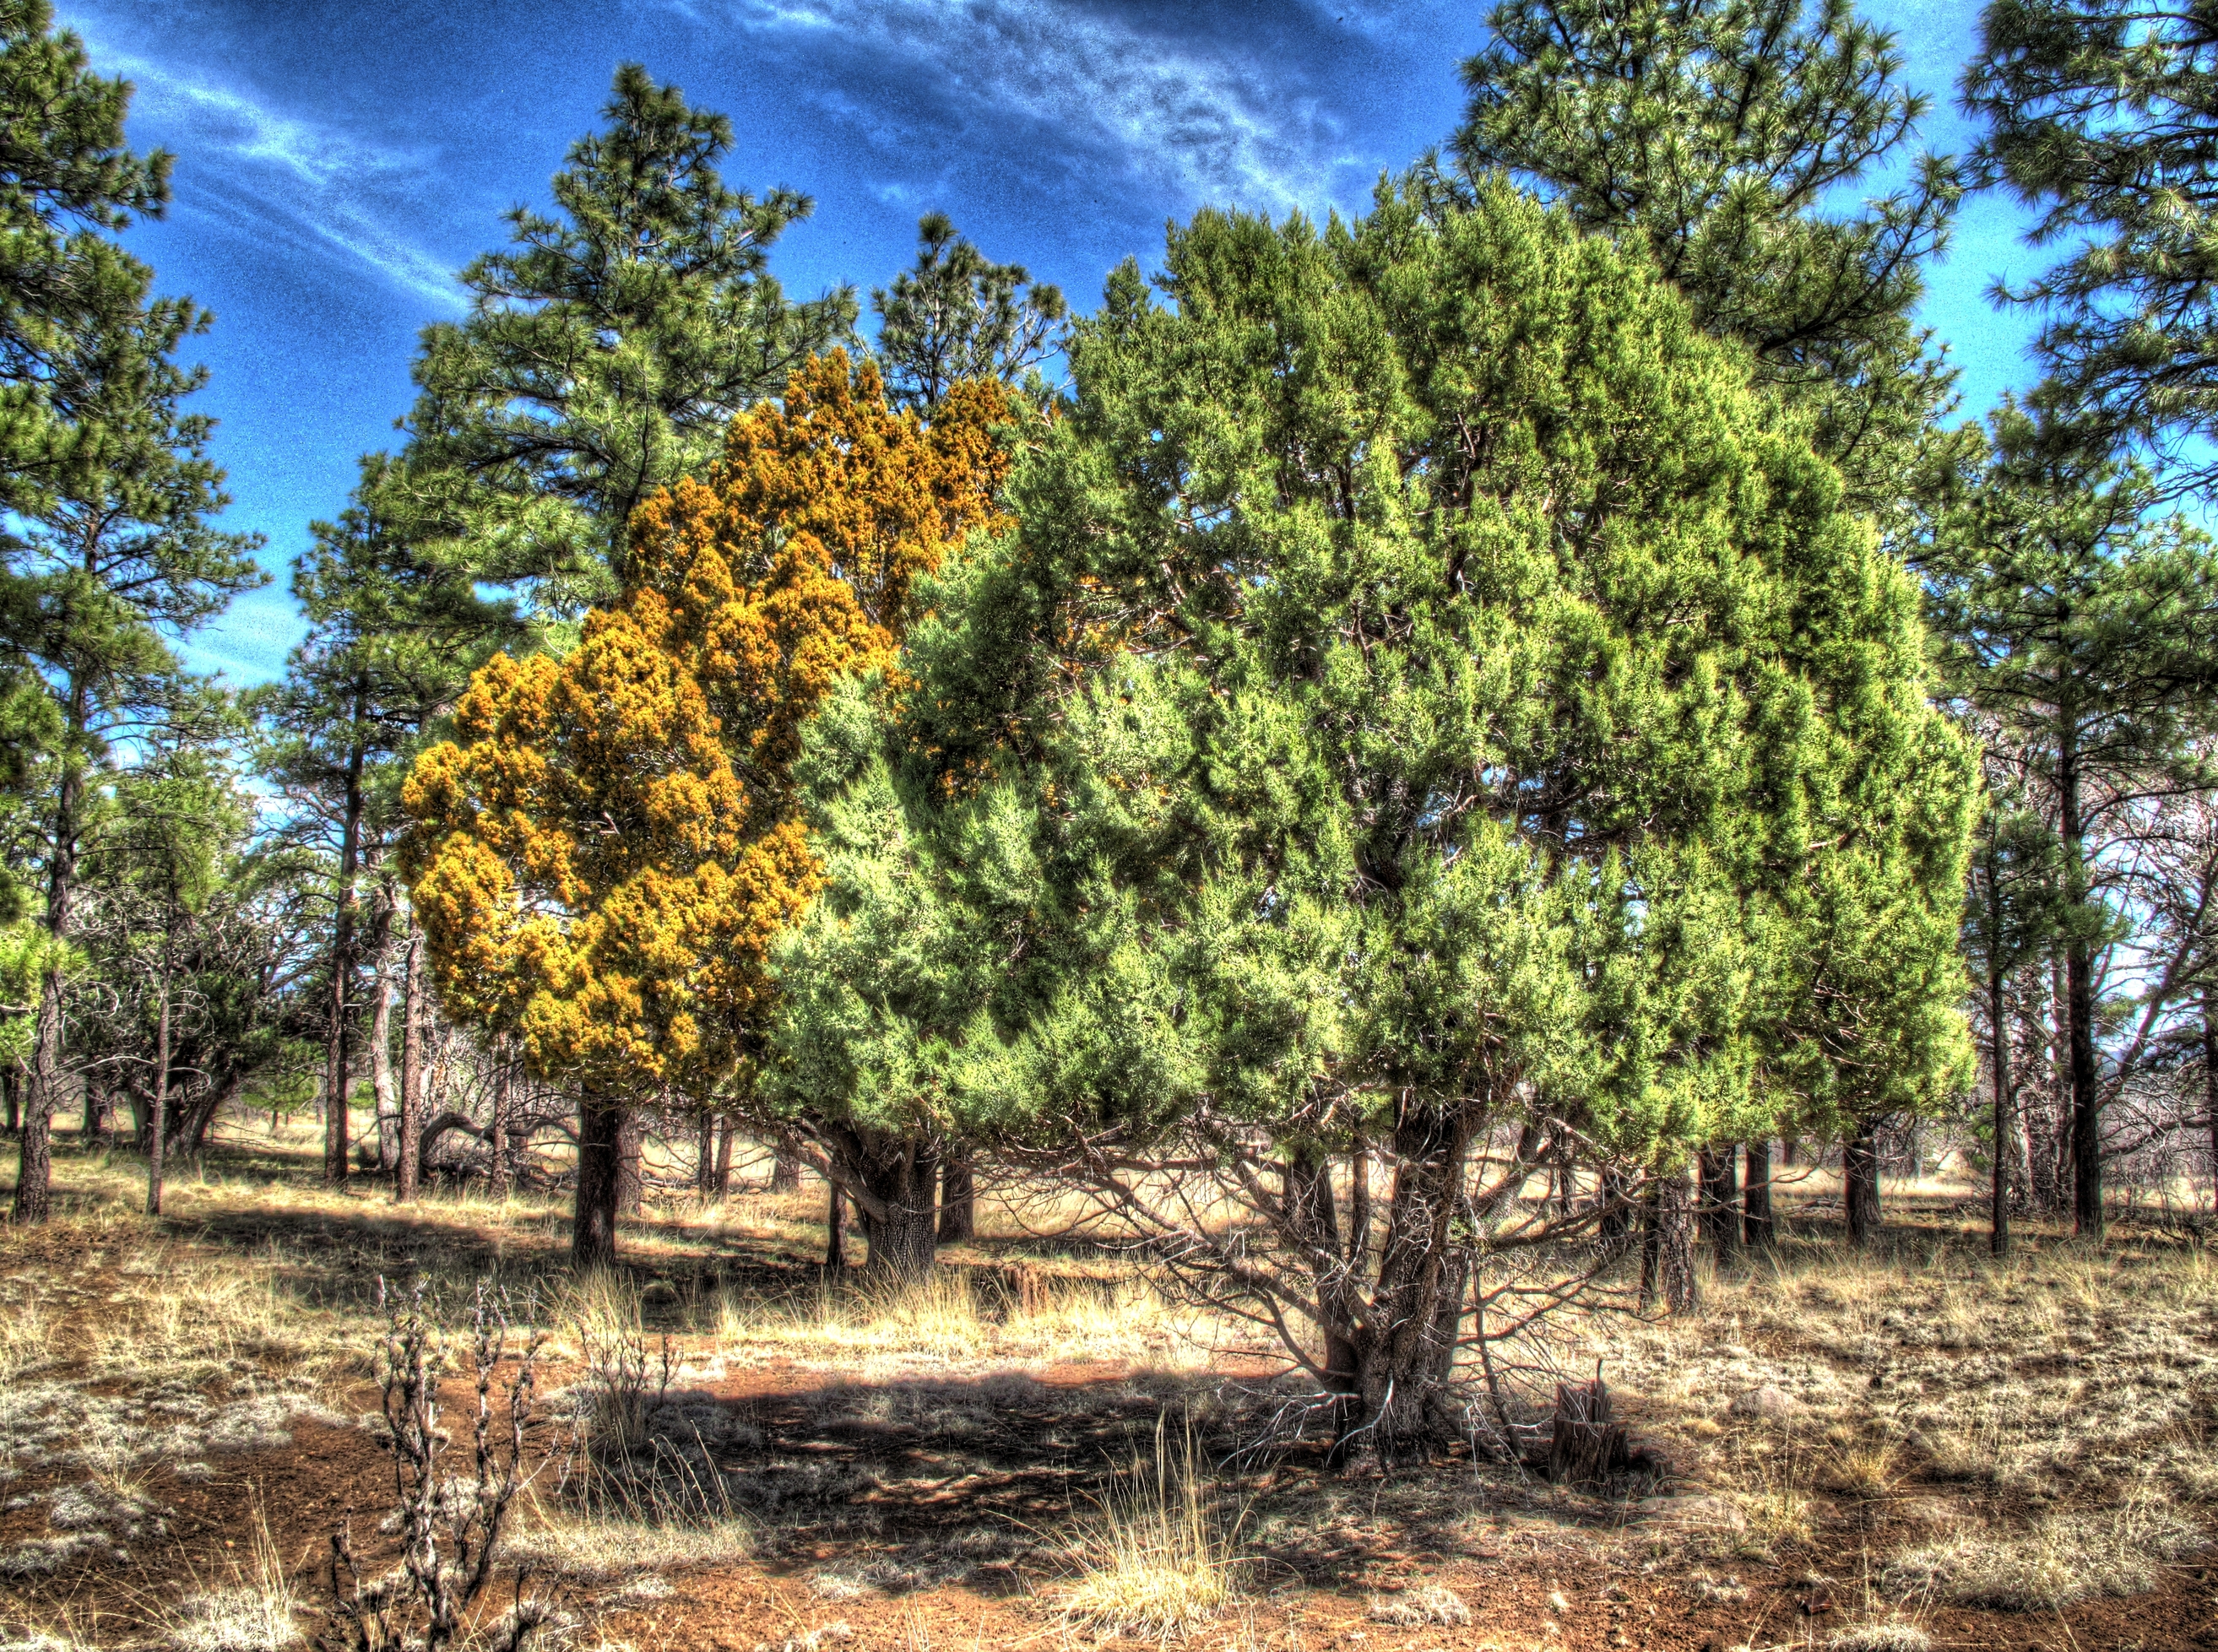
(1722,134)
(2103,116)
(957,315)
(603,354)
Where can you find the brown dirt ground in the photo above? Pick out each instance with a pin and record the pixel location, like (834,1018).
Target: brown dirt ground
(1623,1576)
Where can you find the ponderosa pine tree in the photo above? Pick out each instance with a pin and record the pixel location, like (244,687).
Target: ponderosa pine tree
(1722,134)
(1428,694)
(603,355)
(120,557)
(2087,629)
(2103,116)
(67,181)
(957,315)
(603,855)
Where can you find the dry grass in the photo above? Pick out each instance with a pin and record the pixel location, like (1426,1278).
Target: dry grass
(1881,1634)
(257,1611)
(611,1550)
(953,1320)
(1431,1607)
(1156,1563)
(2060,1560)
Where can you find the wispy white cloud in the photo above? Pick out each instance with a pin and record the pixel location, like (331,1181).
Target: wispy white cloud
(1236,129)
(310,179)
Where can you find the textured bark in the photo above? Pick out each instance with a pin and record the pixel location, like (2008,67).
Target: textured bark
(725,1132)
(631,1183)
(157,1125)
(958,1199)
(1860,1185)
(1757,1230)
(339,1034)
(1667,1252)
(380,1033)
(835,1231)
(1999,1061)
(593,1231)
(409,1168)
(1586,1445)
(705,1154)
(903,1232)
(1722,1215)
(2087,1214)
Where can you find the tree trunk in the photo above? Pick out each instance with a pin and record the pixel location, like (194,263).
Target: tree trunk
(958,1198)
(903,1178)
(1722,1215)
(705,1155)
(1615,1225)
(784,1171)
(725,1132)
(409,1168)
(835,1232)
(1667,1252)
(158,1126)
(631,1181)
(1860,1184)
(381,1034)
(1755,1197)
(593,1231)
(338,1054)
(504,1102)
(2087,1214)
(1998,1234)
(1405,1347)
(12,1094)
(35,1162)
(2210,1080)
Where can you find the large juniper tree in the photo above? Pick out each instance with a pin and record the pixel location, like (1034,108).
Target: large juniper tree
(1429,696)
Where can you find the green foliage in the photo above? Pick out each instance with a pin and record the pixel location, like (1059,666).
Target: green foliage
(1722,134)
(959,316)
(2101,117)
(65,177)
(1435,683)
(603,353)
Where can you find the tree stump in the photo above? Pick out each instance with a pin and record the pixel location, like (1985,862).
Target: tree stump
(1586,1447)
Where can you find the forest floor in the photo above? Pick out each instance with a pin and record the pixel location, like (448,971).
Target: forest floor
(1876,1453)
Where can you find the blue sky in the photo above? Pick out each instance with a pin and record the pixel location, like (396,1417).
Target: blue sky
(336,164)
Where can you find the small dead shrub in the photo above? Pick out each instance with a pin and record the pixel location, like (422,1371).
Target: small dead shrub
(1427,1608)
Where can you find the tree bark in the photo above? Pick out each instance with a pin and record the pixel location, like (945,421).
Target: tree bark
(158,1126)
(1998,1061)
(725,1132)
(1721,1217)
(11,1093)
(1755,1197)
(2210,1080)
(631,1182)
(1667,1252)
(1860,1184)
(593,1231)
(381,1033)
(35,1162)
(338,1055)
(958,1198)
(704,1155)
(835,1232)
(2087,1215)
(902,1233)
(784,1171)
(409,1169)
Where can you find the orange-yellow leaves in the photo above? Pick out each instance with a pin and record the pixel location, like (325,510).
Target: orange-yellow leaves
(603,855)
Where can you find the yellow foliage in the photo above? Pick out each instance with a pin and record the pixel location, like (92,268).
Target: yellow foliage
(604,854)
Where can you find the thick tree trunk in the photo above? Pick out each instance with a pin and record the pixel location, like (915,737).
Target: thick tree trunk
(958,1198)
(593,1231)
(725,1132)
(1667,1252)
(1860,1184)
(1998,1233)
(503,1102)
(1404,1349)
(903,1178)
(1721,1199)
(1755,1197)
(704,1155)
(784,1171)
(631,1180)
(381,1036)
(409,1168)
